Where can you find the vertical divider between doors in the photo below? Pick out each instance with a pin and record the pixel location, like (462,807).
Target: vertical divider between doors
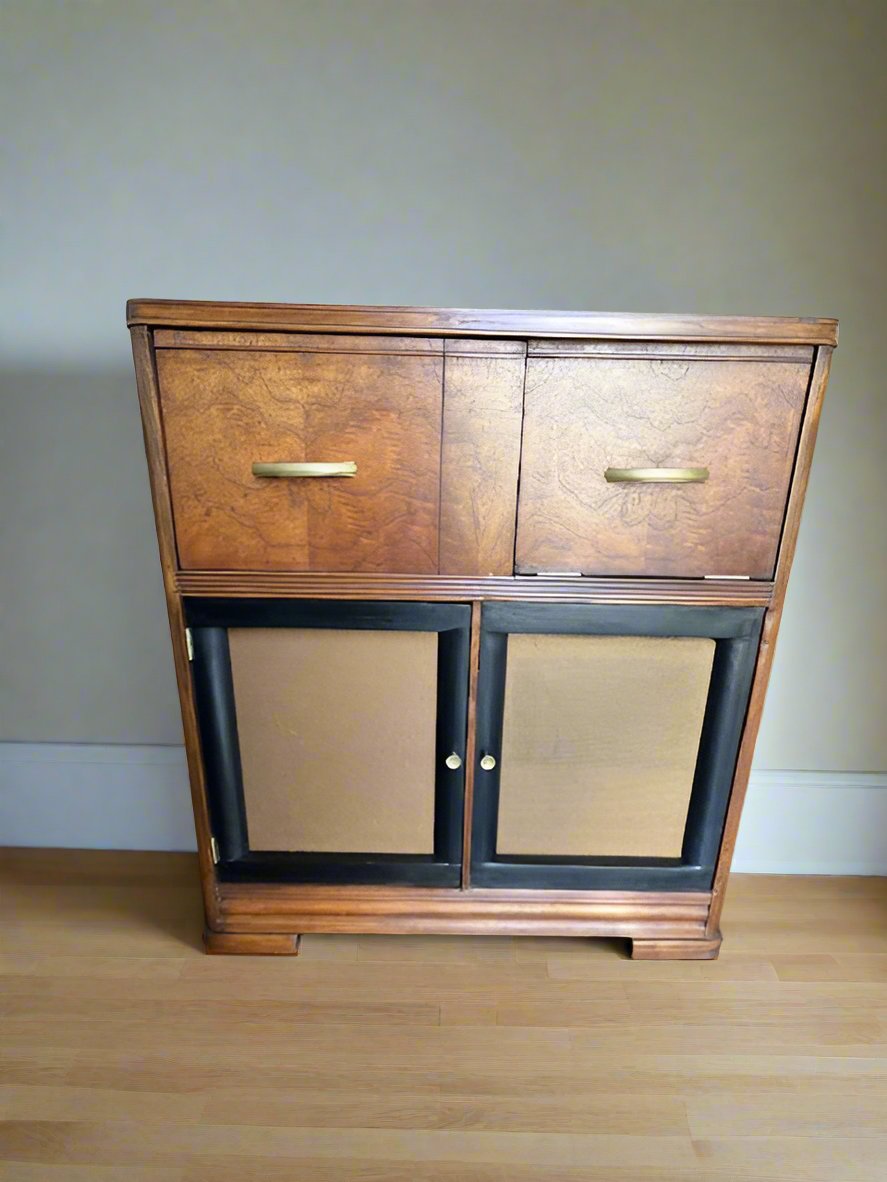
(520,456)
(471,741)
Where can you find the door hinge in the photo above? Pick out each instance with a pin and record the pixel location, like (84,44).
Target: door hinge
(189,644)
(214,850)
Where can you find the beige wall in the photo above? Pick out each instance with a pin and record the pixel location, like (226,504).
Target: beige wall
(684,156)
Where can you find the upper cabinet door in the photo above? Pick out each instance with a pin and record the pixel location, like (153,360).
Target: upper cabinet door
(370,407)
(652,459)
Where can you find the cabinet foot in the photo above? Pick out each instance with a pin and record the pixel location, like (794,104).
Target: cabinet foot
(705,949)
(250,943)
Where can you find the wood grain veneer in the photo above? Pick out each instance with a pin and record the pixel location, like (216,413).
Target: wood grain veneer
(338,400)
(483,408)
(587,410)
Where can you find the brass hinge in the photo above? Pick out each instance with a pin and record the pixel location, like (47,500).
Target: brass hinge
(214,850)
(189,644)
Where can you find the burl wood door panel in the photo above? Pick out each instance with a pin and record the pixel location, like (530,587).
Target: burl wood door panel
(590,406)
(374,401)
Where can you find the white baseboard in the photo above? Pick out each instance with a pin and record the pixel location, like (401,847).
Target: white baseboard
(93,796)
(814,823)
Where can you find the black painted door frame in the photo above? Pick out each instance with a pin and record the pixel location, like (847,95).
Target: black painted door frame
(209,621)
(736,632)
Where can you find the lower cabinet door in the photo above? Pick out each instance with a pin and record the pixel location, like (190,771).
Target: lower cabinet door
(606,743)
(333,738)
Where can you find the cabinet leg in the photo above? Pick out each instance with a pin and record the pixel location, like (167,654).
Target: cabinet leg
(250,943)
(704,949)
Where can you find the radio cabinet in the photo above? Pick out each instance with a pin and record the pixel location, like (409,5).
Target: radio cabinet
(472,612)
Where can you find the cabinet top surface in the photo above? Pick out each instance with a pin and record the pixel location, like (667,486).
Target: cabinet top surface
(481,322)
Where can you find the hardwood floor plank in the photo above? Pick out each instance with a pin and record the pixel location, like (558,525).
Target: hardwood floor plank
(112,1143)
(792,1159)
(586,1112)
(793,1115)
(725,968)
(858,967)
(22,1171)
(67,1103)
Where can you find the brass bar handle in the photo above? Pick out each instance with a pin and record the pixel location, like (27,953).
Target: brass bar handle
(342,468)
(656,475)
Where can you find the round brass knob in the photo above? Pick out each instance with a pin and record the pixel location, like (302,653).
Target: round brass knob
(487,762)
(453,761)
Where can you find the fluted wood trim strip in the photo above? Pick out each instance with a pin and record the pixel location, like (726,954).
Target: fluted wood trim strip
(477,321)
(530,589)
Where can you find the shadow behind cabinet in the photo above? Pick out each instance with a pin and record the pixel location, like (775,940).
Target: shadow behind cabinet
(472,612)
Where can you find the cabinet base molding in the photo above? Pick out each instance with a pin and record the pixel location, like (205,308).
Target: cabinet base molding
(250,943)
(706,949)
(266,911)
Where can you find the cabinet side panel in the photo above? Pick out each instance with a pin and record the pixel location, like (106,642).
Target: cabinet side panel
(152,427)
(800,477)
(483,404)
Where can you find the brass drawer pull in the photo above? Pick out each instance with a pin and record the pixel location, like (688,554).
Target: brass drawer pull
(453,761)
(488,762)
(343,468)
(656,475)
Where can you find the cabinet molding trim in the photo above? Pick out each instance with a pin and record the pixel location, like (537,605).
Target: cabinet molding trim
(442,588)
(480,321)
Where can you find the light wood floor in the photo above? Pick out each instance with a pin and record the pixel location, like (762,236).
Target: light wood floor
(127,1054)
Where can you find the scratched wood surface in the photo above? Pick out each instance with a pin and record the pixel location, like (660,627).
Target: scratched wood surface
(333,399)
(590,407)
(128,1055)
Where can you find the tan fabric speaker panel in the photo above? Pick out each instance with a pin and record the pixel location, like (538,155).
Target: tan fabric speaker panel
(600,740)
(337,738)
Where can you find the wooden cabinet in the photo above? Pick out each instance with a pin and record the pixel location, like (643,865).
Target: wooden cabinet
(472,612)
